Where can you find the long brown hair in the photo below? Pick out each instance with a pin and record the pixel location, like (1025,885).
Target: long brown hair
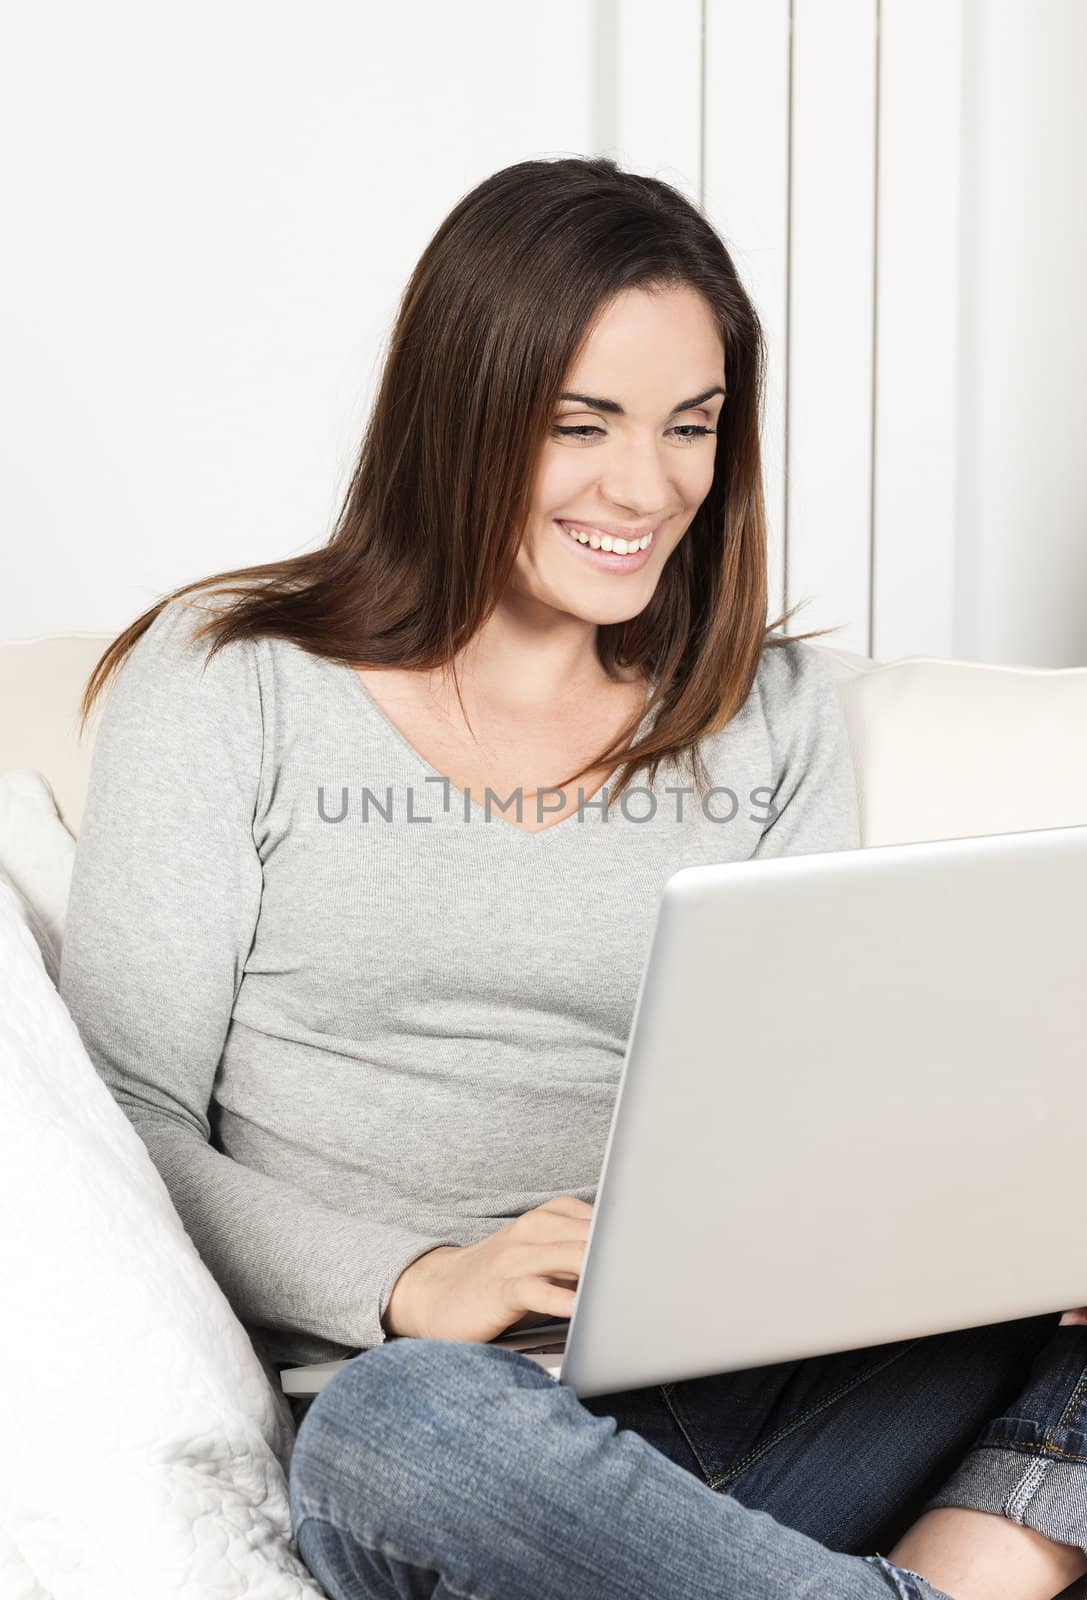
(488,327)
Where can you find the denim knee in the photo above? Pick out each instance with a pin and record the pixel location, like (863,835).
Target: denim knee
(401,1419)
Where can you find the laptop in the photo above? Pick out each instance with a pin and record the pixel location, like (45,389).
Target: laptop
(851,1079)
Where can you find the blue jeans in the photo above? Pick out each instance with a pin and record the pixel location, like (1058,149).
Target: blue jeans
(435,1468)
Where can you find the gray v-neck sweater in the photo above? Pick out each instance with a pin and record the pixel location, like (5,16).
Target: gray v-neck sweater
(351,1028)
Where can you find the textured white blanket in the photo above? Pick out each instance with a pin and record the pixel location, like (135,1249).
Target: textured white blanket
(145,1450)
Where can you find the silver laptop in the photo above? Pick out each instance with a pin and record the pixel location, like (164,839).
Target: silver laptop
(853,1086)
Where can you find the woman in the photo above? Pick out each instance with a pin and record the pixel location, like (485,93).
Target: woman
(359,910)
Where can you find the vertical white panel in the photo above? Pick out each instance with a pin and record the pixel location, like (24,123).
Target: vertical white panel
(918,290)
(1022,594)
(747,201)
(656,92)
(829,459)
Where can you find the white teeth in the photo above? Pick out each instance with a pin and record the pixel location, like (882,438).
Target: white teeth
(605,541)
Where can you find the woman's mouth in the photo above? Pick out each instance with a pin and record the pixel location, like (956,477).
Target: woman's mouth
(604,550)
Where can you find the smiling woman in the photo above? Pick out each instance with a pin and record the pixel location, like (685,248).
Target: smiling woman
(376,1066)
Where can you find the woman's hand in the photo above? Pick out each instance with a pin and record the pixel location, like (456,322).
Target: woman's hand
(475,1292)
(1073,1316)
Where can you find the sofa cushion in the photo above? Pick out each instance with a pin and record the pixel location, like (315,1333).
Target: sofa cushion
(41,684)
(36,857)
(950,749)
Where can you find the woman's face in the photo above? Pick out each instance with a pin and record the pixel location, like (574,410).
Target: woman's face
(641,464)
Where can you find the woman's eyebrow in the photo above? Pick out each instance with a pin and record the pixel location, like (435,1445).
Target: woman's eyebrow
(596,404)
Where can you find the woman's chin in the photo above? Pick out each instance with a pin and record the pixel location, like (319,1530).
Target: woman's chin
(601,607)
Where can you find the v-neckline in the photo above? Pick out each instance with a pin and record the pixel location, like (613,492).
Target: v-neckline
(510,827)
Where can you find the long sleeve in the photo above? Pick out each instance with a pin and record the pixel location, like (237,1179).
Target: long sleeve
(165,897)
(814,805)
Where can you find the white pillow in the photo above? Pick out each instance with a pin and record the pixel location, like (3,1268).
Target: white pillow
(146,1446)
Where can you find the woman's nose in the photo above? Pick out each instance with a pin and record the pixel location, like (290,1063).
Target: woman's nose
(637,481)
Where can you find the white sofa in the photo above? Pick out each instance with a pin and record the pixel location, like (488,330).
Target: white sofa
(941,749)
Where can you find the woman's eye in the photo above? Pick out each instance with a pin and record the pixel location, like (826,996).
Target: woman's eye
(691,431)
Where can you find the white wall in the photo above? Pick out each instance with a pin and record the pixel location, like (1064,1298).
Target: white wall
(215,210)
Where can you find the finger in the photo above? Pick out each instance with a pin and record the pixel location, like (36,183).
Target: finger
(543,1223)
(548,1255)
(567,1205)
(529,1293)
